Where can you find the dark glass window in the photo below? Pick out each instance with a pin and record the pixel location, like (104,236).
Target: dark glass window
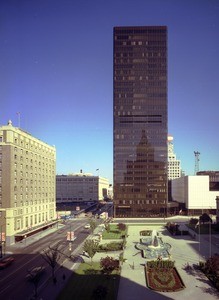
(140,121)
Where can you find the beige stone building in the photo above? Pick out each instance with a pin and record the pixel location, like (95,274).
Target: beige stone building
(81,187)
(27,184)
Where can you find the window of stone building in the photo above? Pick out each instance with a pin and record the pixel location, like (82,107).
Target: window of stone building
(18,224)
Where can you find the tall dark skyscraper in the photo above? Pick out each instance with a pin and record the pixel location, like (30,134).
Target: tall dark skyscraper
(140,121)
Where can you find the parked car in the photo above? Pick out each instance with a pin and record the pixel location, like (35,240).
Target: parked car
(34,271)
(87,226)
(6,262)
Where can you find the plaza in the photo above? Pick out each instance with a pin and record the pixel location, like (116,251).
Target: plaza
(184,250)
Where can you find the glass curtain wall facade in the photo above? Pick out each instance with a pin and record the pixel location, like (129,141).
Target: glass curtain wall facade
(140,121)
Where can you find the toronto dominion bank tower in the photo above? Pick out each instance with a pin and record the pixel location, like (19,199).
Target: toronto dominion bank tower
(140,121)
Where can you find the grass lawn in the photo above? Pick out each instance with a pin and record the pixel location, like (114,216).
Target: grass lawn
(86,279)
(114,233)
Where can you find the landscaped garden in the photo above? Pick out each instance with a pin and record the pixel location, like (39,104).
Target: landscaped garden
(211,269)
(89,282)
(162,276)
(98,280)
(203,225)
(114,231)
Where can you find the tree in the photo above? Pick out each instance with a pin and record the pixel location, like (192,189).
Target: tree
(93,225)
(109,264)
(121,226)
(205,218)
(34,276)
(107,227)
(52,256)
(212,265)
(193,221)
(91,247)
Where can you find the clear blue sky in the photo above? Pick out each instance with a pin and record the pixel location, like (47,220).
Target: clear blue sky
(56,70)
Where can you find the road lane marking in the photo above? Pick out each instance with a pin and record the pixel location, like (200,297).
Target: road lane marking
(5,288)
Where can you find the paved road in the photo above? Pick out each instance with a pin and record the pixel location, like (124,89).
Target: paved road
(13,284)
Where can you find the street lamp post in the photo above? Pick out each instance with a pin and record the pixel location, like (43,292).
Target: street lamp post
(114,286)
(210,220)
(70,242)
(1,242)
(210,238)
(199,237)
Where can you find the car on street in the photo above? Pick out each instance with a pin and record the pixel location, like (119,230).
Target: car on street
(6,262)
(34,272)
(87,226)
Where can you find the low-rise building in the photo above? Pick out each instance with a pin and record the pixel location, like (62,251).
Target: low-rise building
(213,179)
(81,187)
(193,194)
(27,184)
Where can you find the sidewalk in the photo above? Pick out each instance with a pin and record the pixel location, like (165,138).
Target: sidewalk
(49,291)
(184,250)
(17,247)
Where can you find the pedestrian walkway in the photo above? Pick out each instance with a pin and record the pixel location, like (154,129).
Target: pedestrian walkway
(17,247)
(49,290)
(184,250)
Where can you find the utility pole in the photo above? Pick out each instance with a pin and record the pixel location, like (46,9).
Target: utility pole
(1,243)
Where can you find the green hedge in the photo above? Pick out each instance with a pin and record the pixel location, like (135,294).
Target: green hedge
(161,264)
(145,232)
(113,246)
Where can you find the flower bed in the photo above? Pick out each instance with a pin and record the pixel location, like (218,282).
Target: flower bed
(163,279)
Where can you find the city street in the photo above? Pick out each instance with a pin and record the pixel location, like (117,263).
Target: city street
(13,282)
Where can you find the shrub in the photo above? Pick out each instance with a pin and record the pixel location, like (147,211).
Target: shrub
(174,229)
(121,226)
(113,246)
(205,218)
(107,227)
(109,264)
(211,269)
(193,221)
(145,232)
(161,264)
